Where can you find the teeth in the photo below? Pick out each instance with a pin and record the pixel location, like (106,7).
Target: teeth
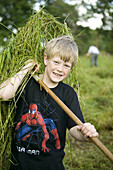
(57,74)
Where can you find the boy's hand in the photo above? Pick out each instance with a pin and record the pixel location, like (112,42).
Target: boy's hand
(87,130)
(31,64)
(36,68)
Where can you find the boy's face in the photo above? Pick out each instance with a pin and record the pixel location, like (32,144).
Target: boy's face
(56,69)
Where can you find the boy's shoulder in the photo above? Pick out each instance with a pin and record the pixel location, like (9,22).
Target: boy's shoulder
(66,87)
(66,93)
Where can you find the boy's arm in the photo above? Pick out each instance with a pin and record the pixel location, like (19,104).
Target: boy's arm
(82,132)
(10,86)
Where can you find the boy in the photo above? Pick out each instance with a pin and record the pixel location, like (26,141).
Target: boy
(40,128)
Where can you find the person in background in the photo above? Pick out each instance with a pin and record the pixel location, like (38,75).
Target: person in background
(94,52)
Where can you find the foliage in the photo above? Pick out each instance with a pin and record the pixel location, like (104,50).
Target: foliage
(100,38)
(103,7)
(29,43)
(105,33)
(14,14)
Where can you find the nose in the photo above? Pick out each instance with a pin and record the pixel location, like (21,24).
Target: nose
(60,68)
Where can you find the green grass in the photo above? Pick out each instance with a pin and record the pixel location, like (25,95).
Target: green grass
(95,94)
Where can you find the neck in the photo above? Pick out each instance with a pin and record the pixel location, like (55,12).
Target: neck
(49,83)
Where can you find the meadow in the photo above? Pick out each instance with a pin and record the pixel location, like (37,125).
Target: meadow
(94,87)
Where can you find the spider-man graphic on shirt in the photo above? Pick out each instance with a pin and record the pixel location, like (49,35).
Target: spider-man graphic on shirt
(34,119)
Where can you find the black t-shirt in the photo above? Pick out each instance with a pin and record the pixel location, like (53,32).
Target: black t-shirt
(40,125)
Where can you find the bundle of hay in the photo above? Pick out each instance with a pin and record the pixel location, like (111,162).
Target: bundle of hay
(28,43)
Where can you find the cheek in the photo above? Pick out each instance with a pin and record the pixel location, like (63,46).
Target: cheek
(66,75)
(51,67)
(67,72)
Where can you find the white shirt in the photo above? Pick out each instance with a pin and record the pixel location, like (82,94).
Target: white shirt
(93,49)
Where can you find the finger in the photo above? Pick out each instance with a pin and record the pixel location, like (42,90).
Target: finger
(88,129)
(94,134)
(79,127)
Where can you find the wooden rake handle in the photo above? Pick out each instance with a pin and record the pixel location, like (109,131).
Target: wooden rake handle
(74,117)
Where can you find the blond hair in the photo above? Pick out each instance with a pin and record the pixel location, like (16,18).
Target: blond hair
(64,47)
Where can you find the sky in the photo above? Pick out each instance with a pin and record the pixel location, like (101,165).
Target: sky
(92,23)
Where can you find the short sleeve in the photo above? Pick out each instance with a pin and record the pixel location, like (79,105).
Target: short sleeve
(73,104)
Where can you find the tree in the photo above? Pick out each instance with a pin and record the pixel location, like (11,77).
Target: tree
(13,14)
(103,7)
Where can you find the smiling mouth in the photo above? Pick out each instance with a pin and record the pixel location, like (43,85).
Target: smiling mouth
(59,75)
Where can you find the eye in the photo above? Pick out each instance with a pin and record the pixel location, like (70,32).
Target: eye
(67,66)
(56,62)
(33,111)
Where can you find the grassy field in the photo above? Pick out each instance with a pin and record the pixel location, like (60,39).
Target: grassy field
(95,94)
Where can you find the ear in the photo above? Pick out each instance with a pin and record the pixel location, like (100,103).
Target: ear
(45,60)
